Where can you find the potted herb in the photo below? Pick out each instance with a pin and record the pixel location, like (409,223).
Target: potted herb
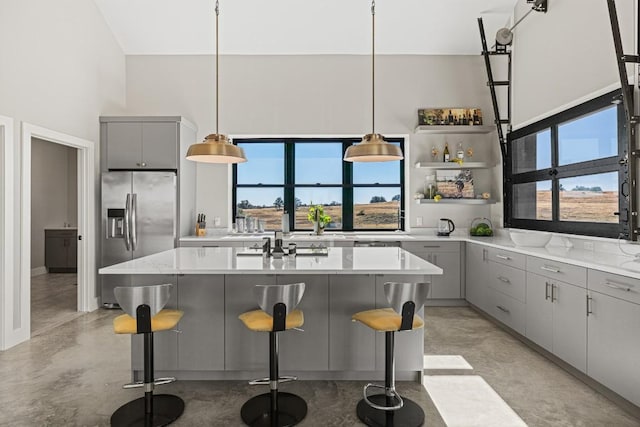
(317,216)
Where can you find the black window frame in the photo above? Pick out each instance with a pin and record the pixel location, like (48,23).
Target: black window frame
(555,173)
(347,185)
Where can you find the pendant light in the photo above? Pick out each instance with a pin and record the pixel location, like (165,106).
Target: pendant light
(216,148)
(373,147)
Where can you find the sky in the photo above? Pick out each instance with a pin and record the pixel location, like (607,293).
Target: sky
(319,162)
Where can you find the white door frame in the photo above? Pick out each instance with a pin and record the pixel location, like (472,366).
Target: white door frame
(87,298)
(7,282)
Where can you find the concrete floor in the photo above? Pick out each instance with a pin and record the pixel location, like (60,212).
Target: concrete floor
(71,376)
(54,301)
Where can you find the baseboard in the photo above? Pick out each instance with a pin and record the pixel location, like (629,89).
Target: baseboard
(38,271)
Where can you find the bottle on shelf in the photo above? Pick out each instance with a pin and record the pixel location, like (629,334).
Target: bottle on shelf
(450,118)
(476,118)
(446,157)
(460,152)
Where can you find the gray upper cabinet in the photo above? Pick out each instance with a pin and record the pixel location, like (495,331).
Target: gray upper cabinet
(142,145)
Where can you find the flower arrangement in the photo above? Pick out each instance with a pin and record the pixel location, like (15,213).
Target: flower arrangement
(317,216)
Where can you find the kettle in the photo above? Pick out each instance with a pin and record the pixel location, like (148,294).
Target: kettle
(445,227)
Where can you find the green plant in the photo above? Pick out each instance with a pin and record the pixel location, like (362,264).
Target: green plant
(316,214)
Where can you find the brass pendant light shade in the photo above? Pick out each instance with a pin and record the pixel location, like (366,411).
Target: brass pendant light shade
(216,148)
(373,147)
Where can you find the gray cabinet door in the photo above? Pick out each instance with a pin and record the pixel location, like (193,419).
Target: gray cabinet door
(308,349)
(166,342)
(447,285)
(160,145)
(244,350)
(539,309)
(409,345)
(55,252)
(124,145)
(201,297)
(72,252)
(613,349)
(476,275)
(352,345)
(570,324)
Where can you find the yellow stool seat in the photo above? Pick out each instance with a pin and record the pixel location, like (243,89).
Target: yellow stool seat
(164,320)
(260,321)
(385,319)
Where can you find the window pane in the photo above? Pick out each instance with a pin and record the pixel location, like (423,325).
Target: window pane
(376,172)
(532,152)
(376,207)
(590,137)
(263,203)
(592,198)
(532,200)
(330,198)
(265,165)
(318,163)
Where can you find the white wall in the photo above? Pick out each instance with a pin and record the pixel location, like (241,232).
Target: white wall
(566,56)
(54,200)
(61,68)
(316,95)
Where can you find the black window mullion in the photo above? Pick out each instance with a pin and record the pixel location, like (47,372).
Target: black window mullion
(289,180)
(555,186)
(347,191)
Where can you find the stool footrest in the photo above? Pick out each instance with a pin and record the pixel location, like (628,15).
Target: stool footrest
(388,391)
(157,381)
(267,381)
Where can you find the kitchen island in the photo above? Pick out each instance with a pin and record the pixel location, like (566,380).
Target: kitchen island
(215,285)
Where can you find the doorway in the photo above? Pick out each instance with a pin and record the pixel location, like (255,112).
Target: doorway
(86,299)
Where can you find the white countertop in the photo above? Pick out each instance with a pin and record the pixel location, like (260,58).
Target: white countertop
(395,261)
(301,236)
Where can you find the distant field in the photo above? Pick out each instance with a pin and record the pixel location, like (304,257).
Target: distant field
(375,215)
(580,206)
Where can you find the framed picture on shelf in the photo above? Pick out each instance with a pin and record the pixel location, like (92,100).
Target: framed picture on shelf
(450,116)
(455,184)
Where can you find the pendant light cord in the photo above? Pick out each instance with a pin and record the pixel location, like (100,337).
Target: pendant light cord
(373,66)
(217,73)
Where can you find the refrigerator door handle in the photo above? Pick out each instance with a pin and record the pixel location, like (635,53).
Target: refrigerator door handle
(134,220)
(127,226)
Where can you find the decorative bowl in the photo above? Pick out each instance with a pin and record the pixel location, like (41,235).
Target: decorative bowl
(535,239)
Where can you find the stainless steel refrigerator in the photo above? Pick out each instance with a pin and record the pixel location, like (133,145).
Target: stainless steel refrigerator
(139,218)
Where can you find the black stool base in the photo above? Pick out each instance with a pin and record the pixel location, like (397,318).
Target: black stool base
(410,415)
(291,410)
(166,409)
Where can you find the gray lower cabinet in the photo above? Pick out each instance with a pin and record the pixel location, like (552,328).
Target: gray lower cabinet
(409,345)
(613,353)
(61,251)
(201,297)
(539,323)
(353,345)
(165,342)
(477,266)
(445,255)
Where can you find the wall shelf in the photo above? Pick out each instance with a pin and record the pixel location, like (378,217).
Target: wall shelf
(444,129)
(453,165)
(456,202)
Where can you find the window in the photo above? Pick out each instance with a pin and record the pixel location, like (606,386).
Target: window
(564,173)
(288,175)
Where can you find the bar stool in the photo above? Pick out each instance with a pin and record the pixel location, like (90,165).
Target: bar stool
(389,409)
(277,313)
(145,315)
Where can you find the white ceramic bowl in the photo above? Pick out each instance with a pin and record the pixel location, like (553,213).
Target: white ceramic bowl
(536,239)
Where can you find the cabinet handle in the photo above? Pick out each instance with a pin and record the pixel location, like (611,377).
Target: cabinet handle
(553,292)
(589,308)
(435,259)
(618,286)
(432,246)
(504,310)
(484,255)
(504,257)
(504,279)
(546,291)
(550,269)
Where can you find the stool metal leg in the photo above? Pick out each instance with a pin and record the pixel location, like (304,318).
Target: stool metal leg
(151,410)
(389,409)
(273,409)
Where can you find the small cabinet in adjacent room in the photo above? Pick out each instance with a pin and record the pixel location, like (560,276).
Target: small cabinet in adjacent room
(61,250)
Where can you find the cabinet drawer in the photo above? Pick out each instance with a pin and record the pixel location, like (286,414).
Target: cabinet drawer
(60,233)
(558,270)
(507,310)
(431,246)
(508,280)
(507,258)
(624,288)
